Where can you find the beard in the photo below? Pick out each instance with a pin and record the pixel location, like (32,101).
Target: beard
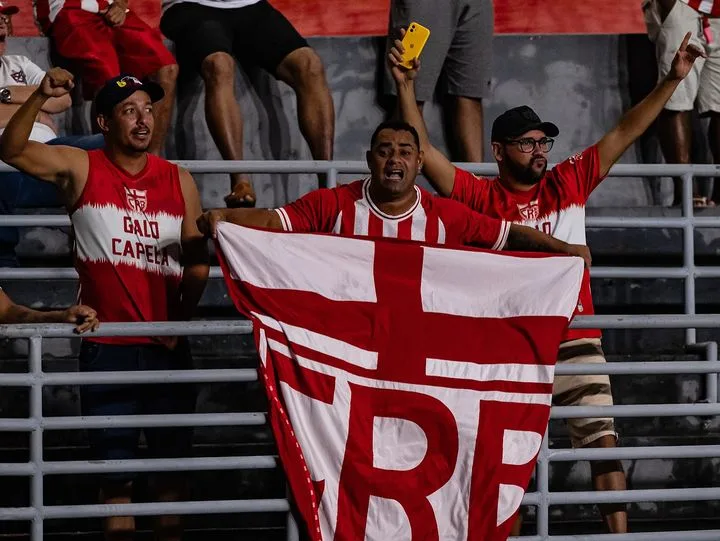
(525,174)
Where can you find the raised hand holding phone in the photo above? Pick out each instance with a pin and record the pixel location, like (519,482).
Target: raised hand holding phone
(413,42)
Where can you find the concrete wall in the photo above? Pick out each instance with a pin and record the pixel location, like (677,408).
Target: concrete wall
(579,82)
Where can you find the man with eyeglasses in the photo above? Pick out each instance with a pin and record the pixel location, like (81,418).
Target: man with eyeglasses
(554,202)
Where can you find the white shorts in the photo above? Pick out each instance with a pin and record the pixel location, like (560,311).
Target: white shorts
(702,85)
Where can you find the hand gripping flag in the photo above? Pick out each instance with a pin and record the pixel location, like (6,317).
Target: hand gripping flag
(409,385)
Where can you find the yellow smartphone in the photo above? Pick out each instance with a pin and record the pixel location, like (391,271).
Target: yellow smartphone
(415,38)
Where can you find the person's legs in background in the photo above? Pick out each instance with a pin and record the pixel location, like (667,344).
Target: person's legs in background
(467,79)
(204,39)
(272,42)
(668,22)
(442,19)
(708,101)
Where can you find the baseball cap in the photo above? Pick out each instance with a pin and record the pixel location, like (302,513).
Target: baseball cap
(519,120)
(123,86)
(8,10)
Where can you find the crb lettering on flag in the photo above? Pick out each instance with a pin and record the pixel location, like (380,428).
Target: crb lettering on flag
(409,385)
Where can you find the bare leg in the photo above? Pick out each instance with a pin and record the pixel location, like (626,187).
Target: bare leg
(166,77)
(609,475)
(467,115)
(224,120)
(675,137)
(303,70)
(169,488)
(118,528)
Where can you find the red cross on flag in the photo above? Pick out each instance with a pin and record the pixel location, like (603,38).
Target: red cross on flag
(409,385)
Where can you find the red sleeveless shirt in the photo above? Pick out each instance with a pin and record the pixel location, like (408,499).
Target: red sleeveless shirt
(127,242)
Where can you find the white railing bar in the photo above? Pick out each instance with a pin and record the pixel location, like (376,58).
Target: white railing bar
(639,367)
(360,167)
(255,419)
(221,375)
(160,328)
(250,374)
(17,513)
(141,421)
(68,273)
(690,535)
(635,410)
(161,464)
(633,453)
(647,222)
(223,327)
(167,508)
(669,321)
(634,496)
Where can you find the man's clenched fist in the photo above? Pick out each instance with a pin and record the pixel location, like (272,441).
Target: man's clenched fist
(57,82)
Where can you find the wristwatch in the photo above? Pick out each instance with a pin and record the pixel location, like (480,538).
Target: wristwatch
(4,95)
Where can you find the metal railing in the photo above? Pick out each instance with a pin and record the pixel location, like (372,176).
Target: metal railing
(36,379)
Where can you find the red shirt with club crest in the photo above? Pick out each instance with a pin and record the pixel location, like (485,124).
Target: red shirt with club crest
(127,242)
(555,205)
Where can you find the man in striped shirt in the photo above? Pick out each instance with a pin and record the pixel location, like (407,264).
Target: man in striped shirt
(389,204)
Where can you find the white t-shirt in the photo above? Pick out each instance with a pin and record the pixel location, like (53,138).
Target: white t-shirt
(222,4)
(16,70)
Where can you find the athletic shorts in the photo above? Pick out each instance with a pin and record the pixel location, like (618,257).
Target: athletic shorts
(459,48)
(257,34)
(146,399)
(98,51)
(582,390)
(702,85)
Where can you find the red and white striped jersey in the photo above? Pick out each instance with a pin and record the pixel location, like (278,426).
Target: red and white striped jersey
(349,210)
(47,10)
(711,8)
(556,206)
(127,242)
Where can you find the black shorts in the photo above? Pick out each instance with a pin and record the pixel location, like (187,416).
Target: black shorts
(145,399)
(257,34)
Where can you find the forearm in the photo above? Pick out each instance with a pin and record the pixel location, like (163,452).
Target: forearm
(410,112)
(22,314)
(528,239)
(19,94)
(194,280)
(17,132)
(268,219)
(638,119)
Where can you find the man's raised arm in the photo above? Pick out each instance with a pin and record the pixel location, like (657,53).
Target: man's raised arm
(436,167)
(53,163)
(638,119)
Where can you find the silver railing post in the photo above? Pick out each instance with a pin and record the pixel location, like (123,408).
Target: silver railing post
(332,177)
(543,488)
(689,252)
(36,438)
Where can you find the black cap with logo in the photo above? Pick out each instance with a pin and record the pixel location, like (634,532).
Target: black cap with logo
(122,87)
(519,120)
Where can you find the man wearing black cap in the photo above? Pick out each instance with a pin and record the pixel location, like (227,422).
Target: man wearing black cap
(133,214)
(554,202)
